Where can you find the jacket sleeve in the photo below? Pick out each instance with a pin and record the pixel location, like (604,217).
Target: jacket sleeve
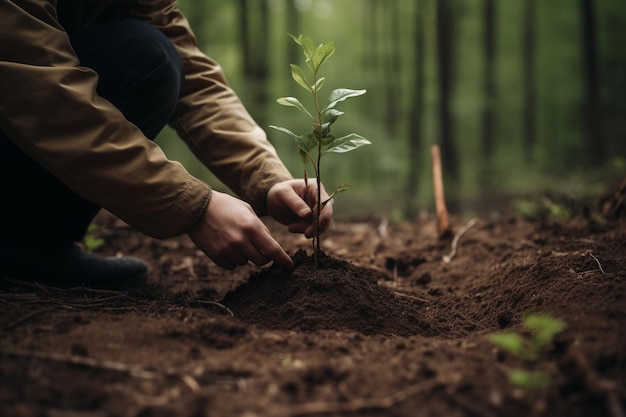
(50,109)
(213,122)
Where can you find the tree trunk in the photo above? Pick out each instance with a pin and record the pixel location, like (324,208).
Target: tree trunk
(415,121)
(489,43)
(293,27)
(529,80)
(594,141)
(445,57)
(254,27)
(391,45)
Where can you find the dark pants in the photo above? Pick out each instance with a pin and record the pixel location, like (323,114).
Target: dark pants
(141,74)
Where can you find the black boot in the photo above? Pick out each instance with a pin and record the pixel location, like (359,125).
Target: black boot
(70,267)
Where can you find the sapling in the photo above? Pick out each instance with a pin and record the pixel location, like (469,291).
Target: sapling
(319,141)
(543,329)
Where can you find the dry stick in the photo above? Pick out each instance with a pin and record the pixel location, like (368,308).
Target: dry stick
(443,222)
(359,404)
(598,262)
(447,258)
(216,304)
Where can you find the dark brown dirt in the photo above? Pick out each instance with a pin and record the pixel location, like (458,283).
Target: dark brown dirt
(384,327)
(334,296)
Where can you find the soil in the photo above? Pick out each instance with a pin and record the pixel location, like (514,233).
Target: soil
(383,327)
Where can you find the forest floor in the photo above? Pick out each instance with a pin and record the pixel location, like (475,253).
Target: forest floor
(384,327)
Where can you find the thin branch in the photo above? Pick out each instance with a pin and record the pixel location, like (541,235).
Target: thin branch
(216,304)
(447,258)
(598,262)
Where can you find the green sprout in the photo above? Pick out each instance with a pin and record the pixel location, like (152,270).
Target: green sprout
(319,141)
(91,241)
(543,329)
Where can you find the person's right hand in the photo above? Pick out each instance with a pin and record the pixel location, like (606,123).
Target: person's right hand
(231,234)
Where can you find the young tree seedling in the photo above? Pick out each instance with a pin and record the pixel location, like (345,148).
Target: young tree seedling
(543,329)
(318,142)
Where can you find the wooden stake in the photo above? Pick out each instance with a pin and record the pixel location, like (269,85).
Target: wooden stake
(443,222)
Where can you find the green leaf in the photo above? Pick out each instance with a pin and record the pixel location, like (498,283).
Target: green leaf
(318,84)
(321,54)
(346,143)
(511,342)
(341,94)
(302,141)
(308,47)
(304,159)
(92,243)
(311,141)
(341,188)
(294,102)
(299,76)
(546,327)
(529,380)
(327,140)
(331,115)
(325,130)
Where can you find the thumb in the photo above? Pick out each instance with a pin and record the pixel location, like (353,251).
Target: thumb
(296,204)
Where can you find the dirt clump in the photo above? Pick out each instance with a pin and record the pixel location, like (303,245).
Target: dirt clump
(334,296)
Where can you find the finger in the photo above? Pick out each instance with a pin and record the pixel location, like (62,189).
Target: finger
(256,256)
(226,264)
(299,227)
(271,249)
(325,217)
(301,205)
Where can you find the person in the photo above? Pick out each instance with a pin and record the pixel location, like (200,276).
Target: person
(84,88)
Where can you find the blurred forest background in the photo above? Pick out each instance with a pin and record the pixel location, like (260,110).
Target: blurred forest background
(524,97)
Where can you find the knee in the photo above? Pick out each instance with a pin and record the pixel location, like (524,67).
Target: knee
(139,70)
(153,64)
(130,56)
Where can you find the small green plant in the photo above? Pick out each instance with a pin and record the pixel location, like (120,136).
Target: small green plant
(91,241)
(318,142)
(543,329)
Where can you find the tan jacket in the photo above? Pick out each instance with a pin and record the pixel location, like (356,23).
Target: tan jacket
(50,109)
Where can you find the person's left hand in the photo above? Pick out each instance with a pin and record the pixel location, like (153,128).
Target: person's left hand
(292,203)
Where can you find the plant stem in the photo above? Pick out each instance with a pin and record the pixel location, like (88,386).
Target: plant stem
(318,205)
(316,222)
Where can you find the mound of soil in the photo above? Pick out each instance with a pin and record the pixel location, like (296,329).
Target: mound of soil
(334,296)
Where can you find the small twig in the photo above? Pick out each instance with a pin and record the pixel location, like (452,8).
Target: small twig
(412,297)
(447,258)
(359,404)
(598,262)
(216,304)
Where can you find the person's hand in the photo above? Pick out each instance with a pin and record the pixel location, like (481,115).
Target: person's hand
(231,234)
(292,203)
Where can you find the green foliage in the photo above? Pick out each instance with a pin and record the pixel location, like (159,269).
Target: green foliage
(528,379)
(543,329)
(546,209)
(319,141)
(91,241)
